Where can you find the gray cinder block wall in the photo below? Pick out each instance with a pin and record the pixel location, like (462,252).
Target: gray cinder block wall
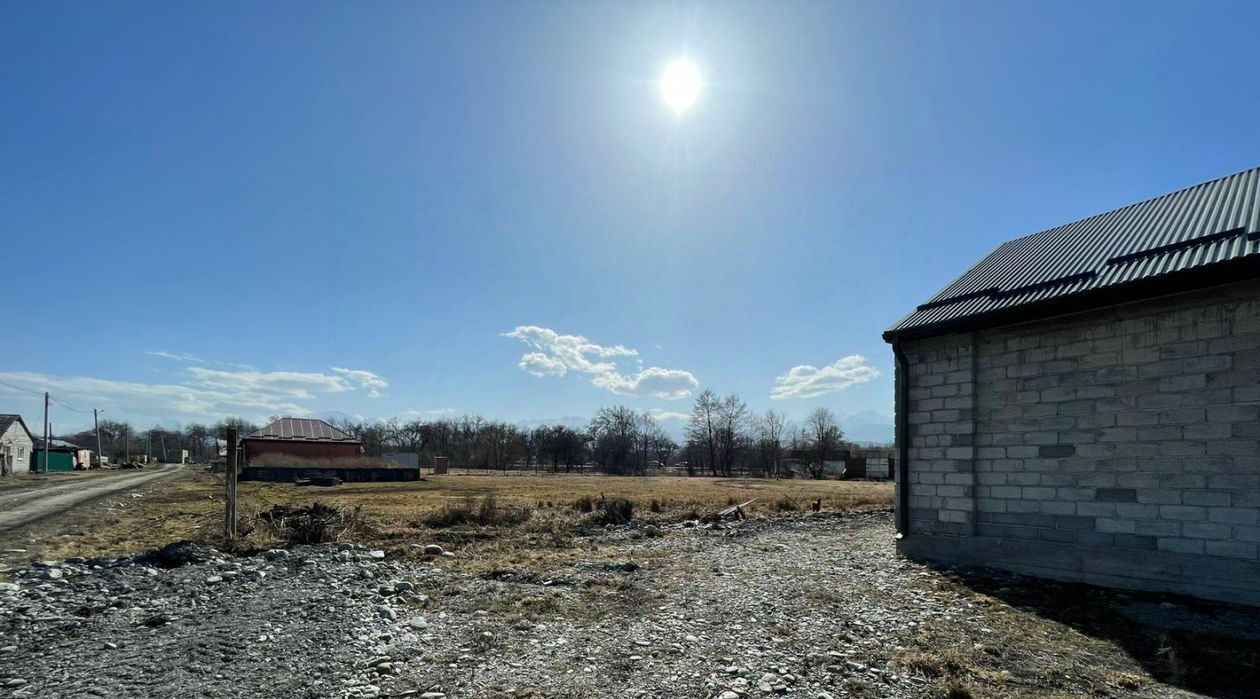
(1119,446)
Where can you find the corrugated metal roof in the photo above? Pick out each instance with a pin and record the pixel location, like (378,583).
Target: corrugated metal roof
(8,420)
(1206,224)
(302,429)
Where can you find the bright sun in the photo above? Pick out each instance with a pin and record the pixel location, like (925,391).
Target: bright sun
(680,85)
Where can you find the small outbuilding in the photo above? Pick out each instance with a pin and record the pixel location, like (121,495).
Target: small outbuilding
(62,457)
(16,445)
(1084,403)
(304,438)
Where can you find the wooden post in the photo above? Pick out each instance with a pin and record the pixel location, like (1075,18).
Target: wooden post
(47,438)
(229,471)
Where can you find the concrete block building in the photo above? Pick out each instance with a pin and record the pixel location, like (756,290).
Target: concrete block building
(1084,403)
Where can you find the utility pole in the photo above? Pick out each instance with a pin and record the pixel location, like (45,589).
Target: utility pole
(46,435)
(96,424)
(229,514)
(127,442)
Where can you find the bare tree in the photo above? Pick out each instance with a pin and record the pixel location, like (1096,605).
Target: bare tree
(650,439)
(771,428)
(702,432)
(731,432)
(613,434)
(410,436)
(823,431)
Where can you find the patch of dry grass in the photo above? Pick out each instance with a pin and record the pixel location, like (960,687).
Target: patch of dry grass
(192,508)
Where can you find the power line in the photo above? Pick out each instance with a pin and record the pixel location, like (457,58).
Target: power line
(54,399)
(21,388)
(63,404)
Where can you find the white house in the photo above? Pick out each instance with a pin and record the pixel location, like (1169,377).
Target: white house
(16,445)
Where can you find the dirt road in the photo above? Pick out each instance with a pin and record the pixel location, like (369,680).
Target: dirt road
(28,505)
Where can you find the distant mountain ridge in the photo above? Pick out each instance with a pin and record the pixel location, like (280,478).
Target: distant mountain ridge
(868,427)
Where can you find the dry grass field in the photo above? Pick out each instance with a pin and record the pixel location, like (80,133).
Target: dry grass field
(527,514)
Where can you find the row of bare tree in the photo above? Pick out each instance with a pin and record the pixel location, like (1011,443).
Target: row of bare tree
(618,439)
(723,437)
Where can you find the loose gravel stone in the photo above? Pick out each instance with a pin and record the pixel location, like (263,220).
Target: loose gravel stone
(809,606)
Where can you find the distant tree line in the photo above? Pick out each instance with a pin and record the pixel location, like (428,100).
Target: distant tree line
(725,438)
(121,440)
(617,440)
(722,437)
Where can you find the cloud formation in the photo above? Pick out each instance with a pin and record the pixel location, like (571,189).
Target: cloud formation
(199,394)
(669,384)
(557,355)
(539,364)
(365,379)
(176,356)
(806,381)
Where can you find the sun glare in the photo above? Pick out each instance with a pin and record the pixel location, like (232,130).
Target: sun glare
(680,85)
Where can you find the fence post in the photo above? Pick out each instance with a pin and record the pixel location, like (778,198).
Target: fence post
(229,515)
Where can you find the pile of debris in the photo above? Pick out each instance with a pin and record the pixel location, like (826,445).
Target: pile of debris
(315,524)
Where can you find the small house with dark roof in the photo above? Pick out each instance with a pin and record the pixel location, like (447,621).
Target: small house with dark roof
(1084,402)
(304,438)
(16,445)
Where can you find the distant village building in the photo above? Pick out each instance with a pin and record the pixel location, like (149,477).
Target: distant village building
(16,445)
(402,458)
(304,438)
(306,450)
(175,456)
(62,457)
(1084,403)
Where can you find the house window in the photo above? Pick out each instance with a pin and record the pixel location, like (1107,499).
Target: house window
(21,452)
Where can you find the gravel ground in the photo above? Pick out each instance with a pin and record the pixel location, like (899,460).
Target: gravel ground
(811,605)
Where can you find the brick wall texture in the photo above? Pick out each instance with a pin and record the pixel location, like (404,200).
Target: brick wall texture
(1133,428)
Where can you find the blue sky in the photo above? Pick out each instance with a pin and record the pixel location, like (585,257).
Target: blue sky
(387,209)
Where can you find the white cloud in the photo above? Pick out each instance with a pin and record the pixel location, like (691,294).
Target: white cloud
(669,384)
(134,400)
(663,415)
(289,384)
(539,364)
(806,381)
(199,394)
(557,355)
(176,356)
(366,379)
(574,352)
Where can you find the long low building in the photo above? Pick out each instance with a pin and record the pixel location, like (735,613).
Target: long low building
(304,438)
(1084,403)
(292,449)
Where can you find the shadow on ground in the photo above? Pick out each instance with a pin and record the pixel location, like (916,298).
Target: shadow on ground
(1204,647)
